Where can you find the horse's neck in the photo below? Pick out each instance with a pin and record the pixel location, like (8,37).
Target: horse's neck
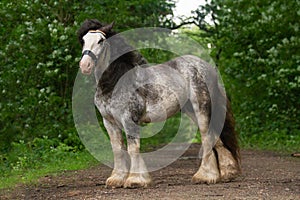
(102,64)
(113,64)
(98,73)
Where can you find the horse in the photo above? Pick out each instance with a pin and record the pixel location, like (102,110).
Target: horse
(125,106)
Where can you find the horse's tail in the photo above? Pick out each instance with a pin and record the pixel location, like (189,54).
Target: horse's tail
(220,107)
(229,136)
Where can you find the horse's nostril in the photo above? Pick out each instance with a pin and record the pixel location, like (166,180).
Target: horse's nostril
(80,64)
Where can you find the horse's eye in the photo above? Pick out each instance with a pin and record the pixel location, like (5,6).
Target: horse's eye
(100,41)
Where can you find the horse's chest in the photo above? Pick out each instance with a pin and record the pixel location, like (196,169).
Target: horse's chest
(108,108)
(102,105)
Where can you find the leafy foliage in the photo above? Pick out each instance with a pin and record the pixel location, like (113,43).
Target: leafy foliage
(257,50)
(37,69)
(39,62)
(39,59)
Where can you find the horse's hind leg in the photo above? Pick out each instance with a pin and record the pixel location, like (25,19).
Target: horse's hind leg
(208,171)
(120,171)
(228,165)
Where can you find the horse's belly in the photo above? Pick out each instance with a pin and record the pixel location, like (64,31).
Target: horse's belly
(163,108)
(164,93)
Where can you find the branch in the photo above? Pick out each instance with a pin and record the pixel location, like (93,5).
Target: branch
(201,24)
(183,24)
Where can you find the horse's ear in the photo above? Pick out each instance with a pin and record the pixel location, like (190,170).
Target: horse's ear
(107,28)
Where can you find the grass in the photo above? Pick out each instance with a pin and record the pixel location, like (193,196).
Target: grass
(274,141)
(32,165)
(30,176)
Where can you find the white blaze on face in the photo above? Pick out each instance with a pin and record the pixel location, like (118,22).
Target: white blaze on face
(92,43)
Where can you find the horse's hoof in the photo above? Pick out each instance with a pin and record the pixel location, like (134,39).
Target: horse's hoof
(229,175)
(116,180)
(208,178)
(137,180)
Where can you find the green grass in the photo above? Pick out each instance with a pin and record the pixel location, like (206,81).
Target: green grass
(274,141)
(25,162)
(70,161)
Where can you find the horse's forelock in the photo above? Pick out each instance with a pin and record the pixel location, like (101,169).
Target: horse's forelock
(87,25)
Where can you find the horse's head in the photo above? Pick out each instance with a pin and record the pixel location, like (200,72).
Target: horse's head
(93,45)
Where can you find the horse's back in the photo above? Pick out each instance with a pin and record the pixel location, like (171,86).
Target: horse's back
(166,87)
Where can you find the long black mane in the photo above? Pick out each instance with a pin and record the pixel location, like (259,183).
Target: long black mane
(121,64)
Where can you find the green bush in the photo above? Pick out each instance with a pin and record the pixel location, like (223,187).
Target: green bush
(39,60)
(38,68)
(256,47)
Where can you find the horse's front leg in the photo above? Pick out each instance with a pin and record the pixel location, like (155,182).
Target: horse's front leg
(121,163)
(138,176)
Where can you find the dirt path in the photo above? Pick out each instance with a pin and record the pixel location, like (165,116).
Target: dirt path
(266,175)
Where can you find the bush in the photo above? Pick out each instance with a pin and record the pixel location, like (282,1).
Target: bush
(256,45)
(39,60)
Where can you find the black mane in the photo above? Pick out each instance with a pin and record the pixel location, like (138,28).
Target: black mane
(122,64)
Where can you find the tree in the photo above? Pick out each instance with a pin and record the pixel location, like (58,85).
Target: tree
(257,50)
(40,54)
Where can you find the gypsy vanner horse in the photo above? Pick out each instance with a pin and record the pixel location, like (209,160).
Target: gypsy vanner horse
(124,108)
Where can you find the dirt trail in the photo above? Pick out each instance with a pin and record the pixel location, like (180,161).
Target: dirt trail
(266,175)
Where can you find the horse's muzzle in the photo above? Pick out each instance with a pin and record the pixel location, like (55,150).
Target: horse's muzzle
(88,61)
(86,66)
